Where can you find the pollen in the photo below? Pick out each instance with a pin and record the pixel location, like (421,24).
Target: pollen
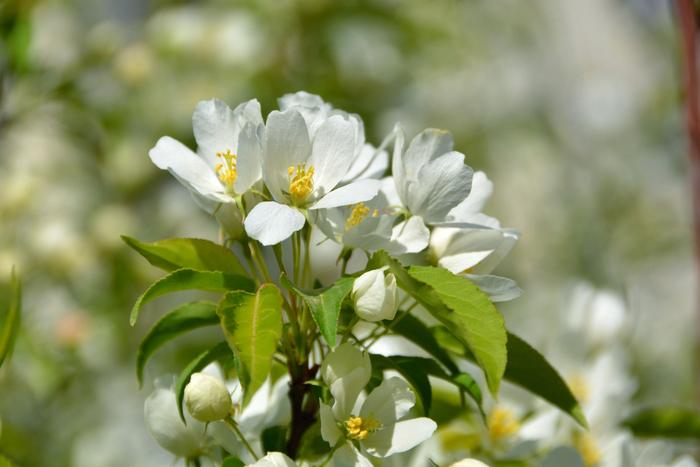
(301,182)
(587,447)
(226,169)
(358,428)
(357,215)
(502,424)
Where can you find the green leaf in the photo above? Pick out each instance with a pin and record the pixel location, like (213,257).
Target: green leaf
(182,319)
(417,332)
(252,324)
(471,316)
(466,383)
(218,352)
(190,253)
(187,279)
(665,422)
(324,304)
(274,439)
(415,370)
(528,369)
(232,462)
(10,321)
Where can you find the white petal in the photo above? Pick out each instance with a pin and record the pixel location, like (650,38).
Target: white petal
(286,144)
(215,129)
(411,235)
(369,293)
(481,191)
(329,428)
(499,289)
(342,361)
(333,149)
(349,456)
(356,192)
(400,437)
(389,401)
(270,222)
(274,459)
(369,163)
(397,164)
(438,187)
(170,154)
(428,145)
(508,239)
(249,158)
(165,426)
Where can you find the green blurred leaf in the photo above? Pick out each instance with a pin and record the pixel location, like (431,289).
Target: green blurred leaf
(188,279)
(9,324)
(232,462)
(665,422)
(218,352)
(473,318)
(274,439)
(324,304)
(252,324)
(467,384)
(182,319)
(190,253)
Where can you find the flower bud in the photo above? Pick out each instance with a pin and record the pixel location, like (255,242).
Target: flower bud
(375,295)
(207,399)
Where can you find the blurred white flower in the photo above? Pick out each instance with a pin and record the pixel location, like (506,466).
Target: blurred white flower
(469,463)
(375,295)
(274,459)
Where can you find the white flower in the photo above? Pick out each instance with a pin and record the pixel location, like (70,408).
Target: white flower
(207,399)
(165,426)
(304,160)
(469,463)
(376,425)
(274,459)
(375,295)
(227,162)
(429,177)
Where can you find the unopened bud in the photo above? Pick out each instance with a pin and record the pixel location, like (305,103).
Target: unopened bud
(207,398)
(375,295)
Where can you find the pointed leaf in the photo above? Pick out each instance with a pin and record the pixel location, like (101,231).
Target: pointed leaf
(324,304)
(415,370)
(252,324)
(188,279)
(218,352)
(417,332)
(474,319)
(191,253)
(9,322)
(182,319)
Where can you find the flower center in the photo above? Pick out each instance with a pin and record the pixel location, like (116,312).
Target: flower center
(301,182)
(502,424)
(587,447)
(358,214)
(358,427)
(226,169)
(579,388)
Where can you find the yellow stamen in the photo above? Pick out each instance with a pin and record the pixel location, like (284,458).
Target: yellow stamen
(357,215)
(502,424)
(587,447)
(579,388)
(358,427)
(226,170)
(301,182)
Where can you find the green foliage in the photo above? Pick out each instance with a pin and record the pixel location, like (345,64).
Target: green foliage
(188,279)
(417,332)
(9,320)
(219,352)
(473,318)
(182,319)
(191,253)
(665,422)
(252,324)
(232,462)
(468,385)
(414,369)
(273,438)
(324,304)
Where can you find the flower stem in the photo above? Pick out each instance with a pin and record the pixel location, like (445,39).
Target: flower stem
(229,421)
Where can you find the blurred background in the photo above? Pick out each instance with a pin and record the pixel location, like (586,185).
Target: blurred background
(573,108)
